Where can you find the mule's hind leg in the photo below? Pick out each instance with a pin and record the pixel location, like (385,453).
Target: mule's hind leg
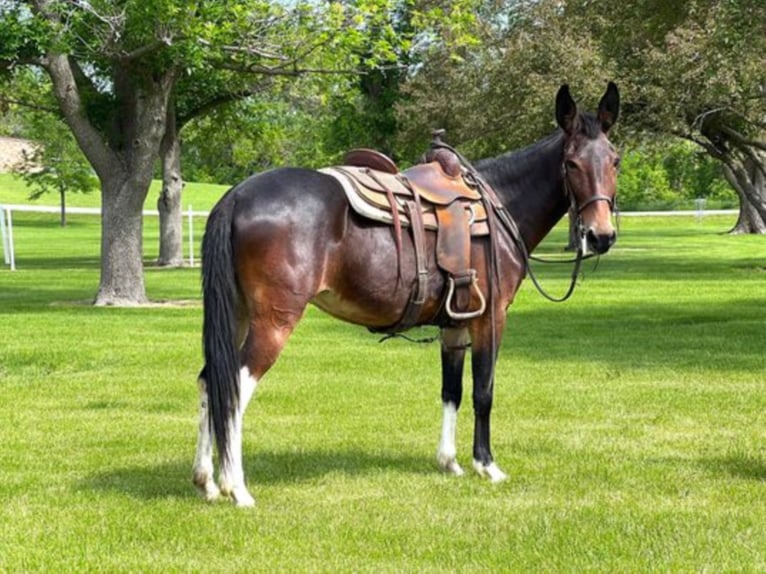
(454,343)
(232,479)
(269,331)
(203,469)
(202,473)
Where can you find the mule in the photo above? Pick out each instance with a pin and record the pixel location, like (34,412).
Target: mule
(286,238)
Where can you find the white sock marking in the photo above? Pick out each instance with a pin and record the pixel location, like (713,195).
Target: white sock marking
(490,471)
(233,479)
(447,453)
(202,473)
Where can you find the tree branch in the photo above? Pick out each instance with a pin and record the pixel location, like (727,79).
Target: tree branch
(211,104)
(286,70)
(709,147)
(31,106)
(163,42)
(69,99)
(252,51)
(740,139)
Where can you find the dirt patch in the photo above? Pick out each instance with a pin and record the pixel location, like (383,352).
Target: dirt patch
(12,152)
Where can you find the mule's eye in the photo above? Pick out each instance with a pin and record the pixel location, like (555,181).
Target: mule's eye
(617,163)
(571,165)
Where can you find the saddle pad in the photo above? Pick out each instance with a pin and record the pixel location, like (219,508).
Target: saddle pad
(373,204)
(375,180)
(376,211)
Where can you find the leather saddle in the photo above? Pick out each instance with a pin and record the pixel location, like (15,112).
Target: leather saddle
(432,196)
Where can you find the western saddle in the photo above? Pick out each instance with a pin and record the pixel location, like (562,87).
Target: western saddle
(433,195)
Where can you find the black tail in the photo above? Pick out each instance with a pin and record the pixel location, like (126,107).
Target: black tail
(220,296)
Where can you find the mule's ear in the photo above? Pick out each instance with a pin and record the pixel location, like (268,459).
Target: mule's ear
(609,107)
(566,110)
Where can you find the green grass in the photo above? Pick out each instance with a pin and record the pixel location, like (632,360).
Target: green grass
(631,420)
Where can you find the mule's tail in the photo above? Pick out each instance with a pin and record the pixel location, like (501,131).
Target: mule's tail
(220,296)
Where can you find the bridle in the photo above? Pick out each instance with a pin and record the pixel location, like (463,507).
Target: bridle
(577,208)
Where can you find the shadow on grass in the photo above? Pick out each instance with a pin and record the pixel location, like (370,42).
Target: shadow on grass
(739,466)
(717,335)
(173,479)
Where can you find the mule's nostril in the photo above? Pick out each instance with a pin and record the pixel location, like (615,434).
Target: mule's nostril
(600,243)
(592,239)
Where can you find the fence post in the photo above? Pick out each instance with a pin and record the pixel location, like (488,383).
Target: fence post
(11,254)
(191,237)
(699,203)
(6,255)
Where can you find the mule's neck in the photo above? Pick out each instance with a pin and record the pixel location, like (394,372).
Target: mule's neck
(530,183)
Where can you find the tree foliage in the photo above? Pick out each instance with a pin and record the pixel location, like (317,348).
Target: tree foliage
(694,69)
(121,68)
(701,76)
(55,164)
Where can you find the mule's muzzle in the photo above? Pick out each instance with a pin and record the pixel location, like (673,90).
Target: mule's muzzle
(600,242)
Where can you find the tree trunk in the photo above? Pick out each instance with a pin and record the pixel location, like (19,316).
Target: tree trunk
(124,190)
(748,181)
(62,193)
(122,273)
(169,201)
(748,221)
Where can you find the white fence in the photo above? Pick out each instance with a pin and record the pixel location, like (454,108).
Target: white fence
(6,225)
(9,254)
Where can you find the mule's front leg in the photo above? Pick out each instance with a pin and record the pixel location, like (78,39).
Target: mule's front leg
(454,344)
(232,474)
(483,357)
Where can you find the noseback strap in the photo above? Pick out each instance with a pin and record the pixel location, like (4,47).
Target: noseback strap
(594,199)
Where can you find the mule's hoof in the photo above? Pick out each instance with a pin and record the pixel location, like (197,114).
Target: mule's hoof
(490,471)
(210,494)
(242,498)
(450,465)
(205,486)
(238,494)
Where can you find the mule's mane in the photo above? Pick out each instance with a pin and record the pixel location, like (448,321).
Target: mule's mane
(534,161)
(517,170)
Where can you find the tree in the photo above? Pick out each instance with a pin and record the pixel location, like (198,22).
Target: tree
(114,66)
(111,79)
(694,69)
(697,70)
(55,163)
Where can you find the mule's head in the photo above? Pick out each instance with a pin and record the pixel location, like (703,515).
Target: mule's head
(590,165)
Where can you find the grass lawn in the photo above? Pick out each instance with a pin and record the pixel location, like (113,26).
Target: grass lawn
(631,420)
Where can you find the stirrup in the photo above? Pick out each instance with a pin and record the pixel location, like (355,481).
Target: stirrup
(457,315)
